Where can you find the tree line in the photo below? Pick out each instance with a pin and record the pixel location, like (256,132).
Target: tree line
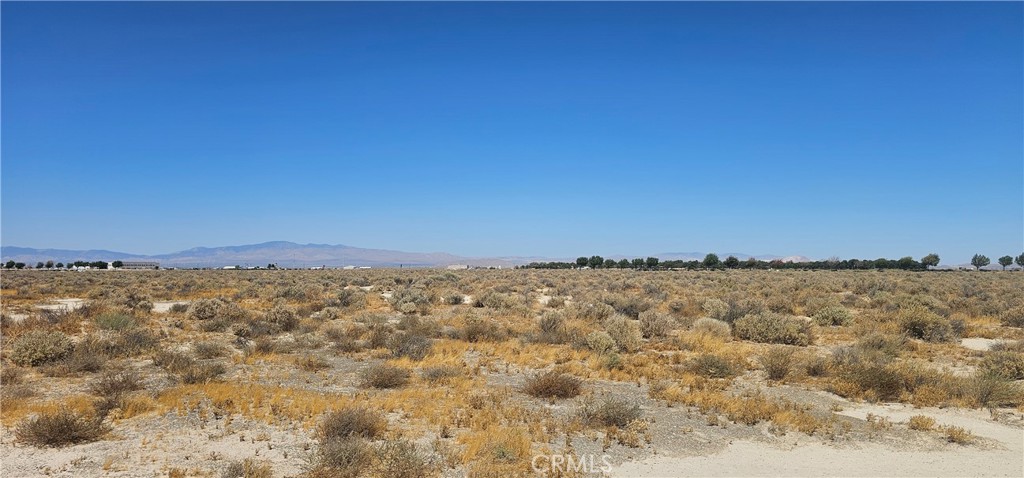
(60,265)
(712,261)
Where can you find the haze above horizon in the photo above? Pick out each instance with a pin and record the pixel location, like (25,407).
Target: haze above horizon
(858,130)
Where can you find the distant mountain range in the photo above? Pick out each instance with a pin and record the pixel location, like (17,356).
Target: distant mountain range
(290,254)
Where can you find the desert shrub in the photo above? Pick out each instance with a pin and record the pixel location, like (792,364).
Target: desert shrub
(884,381)
(453,298)
(413,346)
(58,428)
(715,308)
(611,361)
(629,305)
(480,330)
(553,385)
(312,362)
(179,308)
(600,342)
(989,390)
(832,315)
(625,332)
(655,324)
(921,422)
(410,300)
(86,357)
(885,345)
(351,299)
(712,327)
(1009,365)
(441,373)
(552,328)
(590,312)
(343,458)
(401,459)
(817,366)
(353,421)
(210,349)
(115,322)
(609,412)
(248,468)
(711,366)
(498,300)
(347,345)
(556,302)
(11,375)
(957,435)
(115,383)
(38,347)
(920,323)
(384,376)
(773,328)
(201,372)
(1012,317)
(216,314)
(777,362)
(283,317)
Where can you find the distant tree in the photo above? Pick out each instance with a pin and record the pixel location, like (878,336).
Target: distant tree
(750,263)
(638,263)
(117,264)
(581,261)
(651,262)
(40,265)
(595,262)
(60,265)
(732,262)
(19,265)
(1020,260)
(624,264)
(931,260)
(610,263)
(711,261)
(49,264)
(9,265)
(1005,261)
(906,263)
(979,261)
(98,265)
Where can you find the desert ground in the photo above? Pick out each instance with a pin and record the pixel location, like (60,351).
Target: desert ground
(487,373)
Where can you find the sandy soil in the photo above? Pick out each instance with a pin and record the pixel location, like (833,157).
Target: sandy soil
(63,304)
(164,306)
(976,343)
(999,451)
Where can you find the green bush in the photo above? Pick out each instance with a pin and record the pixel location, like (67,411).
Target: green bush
(625,332)
(1009,365)
(921,323)
(773,328)
(655,324)
(832,315)
(600,342)
(115,322)
(39,347)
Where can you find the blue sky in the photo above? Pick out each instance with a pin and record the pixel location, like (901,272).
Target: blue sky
(850,129)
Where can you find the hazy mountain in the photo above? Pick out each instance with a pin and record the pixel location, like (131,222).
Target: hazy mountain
(285,254)
(290,254)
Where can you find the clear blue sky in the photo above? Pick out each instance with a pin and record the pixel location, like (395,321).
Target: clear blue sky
(850,129)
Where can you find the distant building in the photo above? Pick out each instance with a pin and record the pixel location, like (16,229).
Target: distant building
(457,267)
(140,265)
